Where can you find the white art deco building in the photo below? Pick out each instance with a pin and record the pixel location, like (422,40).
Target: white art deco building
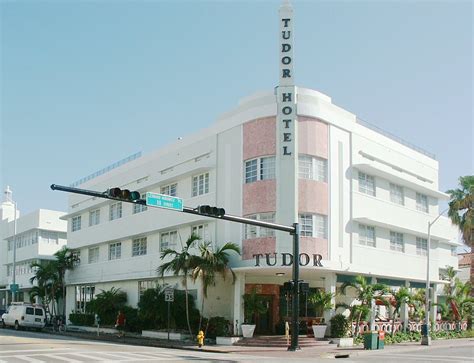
(363,200)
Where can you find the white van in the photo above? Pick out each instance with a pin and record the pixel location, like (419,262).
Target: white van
(25,315)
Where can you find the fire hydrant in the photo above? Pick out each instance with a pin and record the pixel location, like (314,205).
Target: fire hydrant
(200,338)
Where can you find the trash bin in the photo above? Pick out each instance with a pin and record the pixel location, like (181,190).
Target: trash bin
(370,340)
(381,340)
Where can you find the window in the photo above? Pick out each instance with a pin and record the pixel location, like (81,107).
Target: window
(115,251)
(366,235)
(396,241)
(30,311)
(202,231)
(115,211)
(267,168)
(168,240)
(76,223)
(312,168)
(94,217)
(49,237)
(366,184)
(421,202)
(84,294)
(146,285)
(260,169)
(200,184)
(396,194)
(93,255)
(421,246)
(138,208)
(313,225)
(39,312)
(306,225)
(170,189)
(76,257)
(260,232)
(139,247)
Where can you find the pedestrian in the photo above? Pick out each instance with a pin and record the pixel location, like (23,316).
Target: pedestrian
(120,323)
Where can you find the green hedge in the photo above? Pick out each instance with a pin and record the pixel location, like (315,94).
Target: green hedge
(82,319)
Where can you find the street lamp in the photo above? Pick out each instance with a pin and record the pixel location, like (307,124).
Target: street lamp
(426,339)
(8,197)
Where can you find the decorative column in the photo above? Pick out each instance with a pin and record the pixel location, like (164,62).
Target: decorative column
(238,307)
(404,311)
(330,286)
(372,308)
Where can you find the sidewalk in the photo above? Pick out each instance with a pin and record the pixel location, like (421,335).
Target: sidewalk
(323,351)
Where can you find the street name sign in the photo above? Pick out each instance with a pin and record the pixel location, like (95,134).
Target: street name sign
(164,201)
(14,287)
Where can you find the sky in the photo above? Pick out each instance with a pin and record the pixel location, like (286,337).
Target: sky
(86,83)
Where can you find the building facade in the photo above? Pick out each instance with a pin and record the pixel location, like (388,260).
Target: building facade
(38,236)
(362,198)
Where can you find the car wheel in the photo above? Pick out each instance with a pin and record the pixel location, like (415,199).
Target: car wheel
(17,326)
(3,324)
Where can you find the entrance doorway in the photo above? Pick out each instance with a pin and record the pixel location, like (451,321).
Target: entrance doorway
(264,324)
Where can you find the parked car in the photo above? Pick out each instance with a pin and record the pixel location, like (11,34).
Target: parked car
(24,315)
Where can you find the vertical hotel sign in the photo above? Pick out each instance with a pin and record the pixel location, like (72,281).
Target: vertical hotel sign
(287,128)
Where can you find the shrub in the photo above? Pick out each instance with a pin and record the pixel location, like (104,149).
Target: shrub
(339,326)
(218,326)
(133,321)
(107,305)
(82,319)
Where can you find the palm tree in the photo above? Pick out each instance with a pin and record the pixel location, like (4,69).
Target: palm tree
(182,262)
(107,303)
(209,264)
(321,301)
(461,302)
(401,296)
(47,279)
(65,260)
(449,275)
(365,294)
(461,212)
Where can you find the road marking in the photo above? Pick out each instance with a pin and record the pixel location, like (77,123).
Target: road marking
(29,359)
(425,358)
(66,359)
(30,350)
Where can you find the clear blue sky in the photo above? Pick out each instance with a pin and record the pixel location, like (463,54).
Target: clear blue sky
(86,83)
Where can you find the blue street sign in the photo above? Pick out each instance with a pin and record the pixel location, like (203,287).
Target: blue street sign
(14,287)
(164,201)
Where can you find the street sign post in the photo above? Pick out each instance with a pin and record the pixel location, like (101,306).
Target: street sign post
(164,201)
(169,298)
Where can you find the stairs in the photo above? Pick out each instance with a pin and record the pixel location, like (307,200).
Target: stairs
(279,341)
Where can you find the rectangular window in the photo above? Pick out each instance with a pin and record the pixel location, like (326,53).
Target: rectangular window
(168,240)
(250,230)
(396,241)
(260,169)
(312,168)
(84,295)
(94,217)
(267,168)
(49,237)
(202,231)
(421,246)
(306,225)
(260,232)
(251,171)
(115,211)
(366,184)
(170,189)
(366,235)
(93,255)
(138,208)
(76,223)
(320,224)
(139,247)
(146,285)
(115,251)
(396,194)
(421,202)
(200,184)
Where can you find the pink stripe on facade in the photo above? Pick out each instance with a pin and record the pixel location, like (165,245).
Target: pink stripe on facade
(254,246)
(312,137)
(311,245)
(259,138)
(259,196)
(313,196)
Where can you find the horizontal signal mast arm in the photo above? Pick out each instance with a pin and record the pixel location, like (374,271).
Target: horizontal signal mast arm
(226,217)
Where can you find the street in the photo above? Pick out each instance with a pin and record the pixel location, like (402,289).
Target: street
(34,347)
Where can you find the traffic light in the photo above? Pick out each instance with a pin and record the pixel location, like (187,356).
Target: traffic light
(211,211)
(123,194)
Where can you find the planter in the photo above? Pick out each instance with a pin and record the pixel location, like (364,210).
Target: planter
(343,342)
(247,330)
(319,331)
(227,340)
(164,335)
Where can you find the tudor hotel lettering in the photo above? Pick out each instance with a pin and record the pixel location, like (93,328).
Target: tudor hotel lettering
(286,91)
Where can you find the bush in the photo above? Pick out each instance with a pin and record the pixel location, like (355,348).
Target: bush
(133,322)
(82,319)
(218,326)
(339,326)
(107,305)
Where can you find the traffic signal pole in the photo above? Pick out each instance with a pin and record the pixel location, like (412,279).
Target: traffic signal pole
(293,230)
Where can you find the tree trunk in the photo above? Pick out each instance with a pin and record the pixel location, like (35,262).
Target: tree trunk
(357,324)
(187,306)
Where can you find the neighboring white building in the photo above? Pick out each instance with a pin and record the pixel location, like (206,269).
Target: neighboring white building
(39,235)
(363,200)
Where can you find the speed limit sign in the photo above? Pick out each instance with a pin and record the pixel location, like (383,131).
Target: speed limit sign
(169,295)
